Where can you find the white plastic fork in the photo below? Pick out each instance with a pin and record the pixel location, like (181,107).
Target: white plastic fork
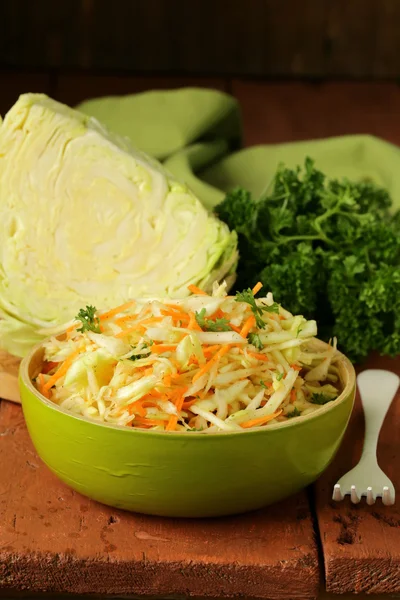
(377,390)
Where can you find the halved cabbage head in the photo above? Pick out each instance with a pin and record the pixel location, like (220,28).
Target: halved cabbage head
(87,219)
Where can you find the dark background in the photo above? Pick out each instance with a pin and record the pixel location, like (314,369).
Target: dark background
(301,68)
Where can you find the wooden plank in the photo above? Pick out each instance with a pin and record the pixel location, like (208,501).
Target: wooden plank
(73,88)
(387,49)
(9,367)
(260,37)
(361,544)
(350,42)
(41,34)
(283,112)
(243,38)
(54,540)
(14,84)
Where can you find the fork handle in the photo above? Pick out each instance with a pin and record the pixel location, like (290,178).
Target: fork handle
(377,389)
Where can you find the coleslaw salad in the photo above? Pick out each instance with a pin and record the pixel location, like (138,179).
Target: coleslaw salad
(208,363)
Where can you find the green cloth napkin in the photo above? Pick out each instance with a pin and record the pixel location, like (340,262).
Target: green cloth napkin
(196,133)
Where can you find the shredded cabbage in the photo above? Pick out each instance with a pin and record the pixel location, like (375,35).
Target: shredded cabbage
(204,363)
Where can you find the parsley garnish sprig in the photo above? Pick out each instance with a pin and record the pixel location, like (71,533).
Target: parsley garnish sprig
(257,309)
(217,325)
(88,319)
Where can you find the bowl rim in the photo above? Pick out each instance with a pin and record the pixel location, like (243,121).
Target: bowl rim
(344,364)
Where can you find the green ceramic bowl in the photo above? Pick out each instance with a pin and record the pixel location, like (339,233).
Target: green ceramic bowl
(180,474)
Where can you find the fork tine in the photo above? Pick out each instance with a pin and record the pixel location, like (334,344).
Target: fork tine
(387,496)
(370,496)
(355,498)
(337,493)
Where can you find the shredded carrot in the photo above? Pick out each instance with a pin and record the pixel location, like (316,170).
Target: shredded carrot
(218,314)
(295,367)
(260,420)
(258,356)
(138,326)
(257,288)
(171,425)
(137,408)
(161,348)
(116,310)
(176,307)
(155,394)
(211,362)
(123,320)
(141,404)
(232,326)
(148,403)
(293,395)
(211,349)
(167,381)
(249,323)
(196,290)
(181,317)
(62,370)
(193,324)
(150,321)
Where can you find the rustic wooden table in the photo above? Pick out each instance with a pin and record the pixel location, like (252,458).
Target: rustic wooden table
(54,541)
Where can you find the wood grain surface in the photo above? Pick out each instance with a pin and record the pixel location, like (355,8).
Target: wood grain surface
(285,112)
(54,540)
(9,366)
(360,543)
(284,38)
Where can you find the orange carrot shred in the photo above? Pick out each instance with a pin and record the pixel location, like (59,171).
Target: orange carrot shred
(293,396)
(205,368)
(137,408)
(62,370)
(196,290)
(258,356)
(211,349)
(260,420)
(167,381)
(171,425)
(257,288)
(161,348)
(193,324)
(237,329)
(249,323)
(116,310)
(176,307)
(123,320)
